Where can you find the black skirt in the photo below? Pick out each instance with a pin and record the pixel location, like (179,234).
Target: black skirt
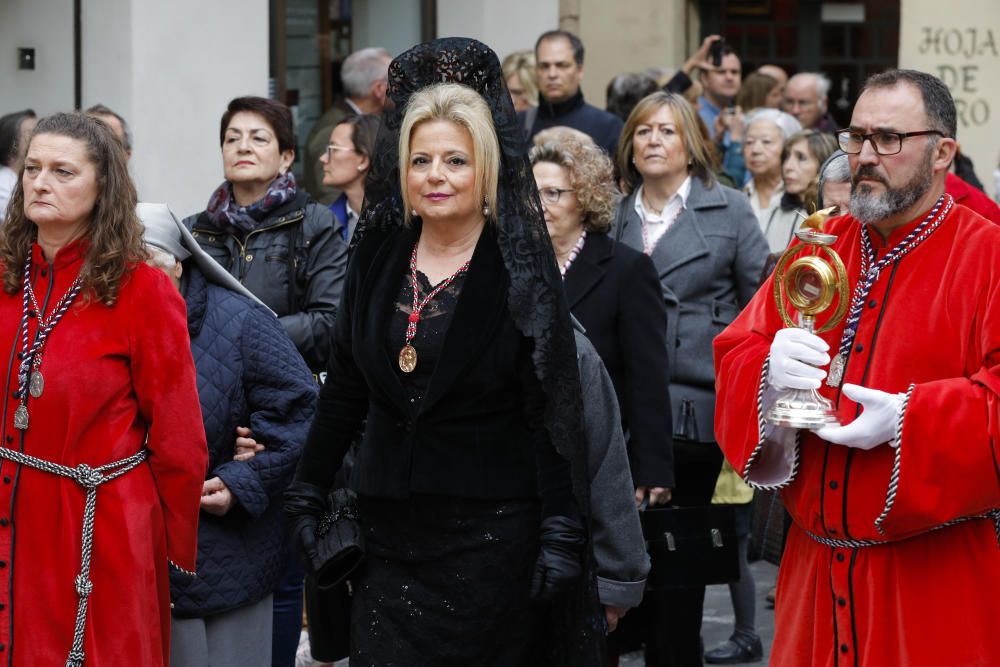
(446,581)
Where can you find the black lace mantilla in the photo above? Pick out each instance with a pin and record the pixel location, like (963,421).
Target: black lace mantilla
(536,300)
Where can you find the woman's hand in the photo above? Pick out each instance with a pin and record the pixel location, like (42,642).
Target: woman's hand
(216,498)
(560,559)
(304,505)
(613,615)
(730,120)
(658,495)
(246,447)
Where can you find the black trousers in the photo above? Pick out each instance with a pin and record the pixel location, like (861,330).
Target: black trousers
(670,622)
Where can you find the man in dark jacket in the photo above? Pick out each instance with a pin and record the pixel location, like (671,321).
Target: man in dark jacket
(249,373)
(559,63)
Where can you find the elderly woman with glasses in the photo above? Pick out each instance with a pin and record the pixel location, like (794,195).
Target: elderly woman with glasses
(614,291)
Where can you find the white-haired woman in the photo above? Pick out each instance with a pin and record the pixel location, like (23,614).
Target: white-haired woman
(766,132)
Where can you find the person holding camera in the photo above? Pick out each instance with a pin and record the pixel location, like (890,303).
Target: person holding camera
(721,76)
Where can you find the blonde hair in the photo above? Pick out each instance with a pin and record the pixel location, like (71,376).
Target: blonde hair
(464,107)
(699,154)
(522,63)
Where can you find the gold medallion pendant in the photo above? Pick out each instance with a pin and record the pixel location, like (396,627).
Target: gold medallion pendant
(407,359)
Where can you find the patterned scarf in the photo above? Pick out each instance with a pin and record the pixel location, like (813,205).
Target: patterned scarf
(229,216)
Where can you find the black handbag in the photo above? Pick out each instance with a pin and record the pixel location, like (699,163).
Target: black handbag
(340,545)
(690,546)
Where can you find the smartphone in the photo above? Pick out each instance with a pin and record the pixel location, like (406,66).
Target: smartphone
(715,51)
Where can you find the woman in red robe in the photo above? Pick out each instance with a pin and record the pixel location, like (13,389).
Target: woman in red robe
(103,452)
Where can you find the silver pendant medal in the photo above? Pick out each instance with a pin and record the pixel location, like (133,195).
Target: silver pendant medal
(836,374)
(36,385)
(21,418)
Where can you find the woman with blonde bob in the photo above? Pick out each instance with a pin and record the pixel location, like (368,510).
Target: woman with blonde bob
(522,82)
(708,250)
(450,342)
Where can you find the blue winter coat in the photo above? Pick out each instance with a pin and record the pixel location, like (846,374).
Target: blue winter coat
(249,374)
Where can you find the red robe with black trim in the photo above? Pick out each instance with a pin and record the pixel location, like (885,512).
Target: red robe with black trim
(928,592)
(112,377)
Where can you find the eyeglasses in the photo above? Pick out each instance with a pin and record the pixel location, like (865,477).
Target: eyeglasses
(551,195)
(884,143)
(333,148)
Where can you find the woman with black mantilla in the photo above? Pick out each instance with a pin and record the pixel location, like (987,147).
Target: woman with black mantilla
(454,340)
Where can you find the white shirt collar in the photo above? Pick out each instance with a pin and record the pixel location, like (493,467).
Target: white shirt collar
(354,106)
(673,207)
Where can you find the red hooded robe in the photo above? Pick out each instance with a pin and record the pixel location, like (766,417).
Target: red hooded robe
(905,576)
(113,377)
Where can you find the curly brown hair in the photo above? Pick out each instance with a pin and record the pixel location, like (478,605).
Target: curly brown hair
(114,231)
(589,169)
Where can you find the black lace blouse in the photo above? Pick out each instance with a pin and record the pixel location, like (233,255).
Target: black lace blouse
(431,329)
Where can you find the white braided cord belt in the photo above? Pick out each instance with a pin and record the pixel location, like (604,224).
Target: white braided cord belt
(89,478)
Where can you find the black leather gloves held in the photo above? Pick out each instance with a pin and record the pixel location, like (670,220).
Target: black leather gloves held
(305,504)
(560,558)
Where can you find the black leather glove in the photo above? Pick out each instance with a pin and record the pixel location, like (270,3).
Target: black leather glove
(305,504)
(560,558)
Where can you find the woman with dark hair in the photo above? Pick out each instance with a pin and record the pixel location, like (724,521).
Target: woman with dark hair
(264,230)
(801,158)
(14,131)
(708,251)
(455,342)
(345,166)
(101,405)
(288,251)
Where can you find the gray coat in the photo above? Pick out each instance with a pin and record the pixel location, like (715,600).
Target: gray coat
(709,263)
(619,549)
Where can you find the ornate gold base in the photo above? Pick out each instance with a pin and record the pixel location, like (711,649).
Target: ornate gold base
(802,408)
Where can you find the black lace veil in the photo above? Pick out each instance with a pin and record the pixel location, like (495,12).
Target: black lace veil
(536,300)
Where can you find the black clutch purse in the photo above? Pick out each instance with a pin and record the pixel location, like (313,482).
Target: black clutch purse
(690,546)
(340,546)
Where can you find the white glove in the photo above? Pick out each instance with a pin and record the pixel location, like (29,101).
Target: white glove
(795,353)
(877,423)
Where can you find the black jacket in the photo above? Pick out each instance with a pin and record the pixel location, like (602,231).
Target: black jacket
(615,293)
(305,305)
(249,374)
(478,431)
(603,127)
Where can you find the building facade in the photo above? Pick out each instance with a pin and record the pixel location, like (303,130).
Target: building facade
(170,68)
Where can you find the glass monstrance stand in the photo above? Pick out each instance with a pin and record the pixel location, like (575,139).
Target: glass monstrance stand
(809,277)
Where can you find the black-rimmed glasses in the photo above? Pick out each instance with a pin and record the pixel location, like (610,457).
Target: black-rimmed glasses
(552,195)
(884,143)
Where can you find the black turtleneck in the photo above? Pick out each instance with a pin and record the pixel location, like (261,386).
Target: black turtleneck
(574,112)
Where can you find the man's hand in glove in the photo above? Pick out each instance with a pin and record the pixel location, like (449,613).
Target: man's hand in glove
(560,558)
(304,505)
(795,353)
(877,423)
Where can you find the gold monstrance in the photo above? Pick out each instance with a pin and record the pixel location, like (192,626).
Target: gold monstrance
(809,283)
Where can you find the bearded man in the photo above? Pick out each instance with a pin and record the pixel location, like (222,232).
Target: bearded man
(893,557)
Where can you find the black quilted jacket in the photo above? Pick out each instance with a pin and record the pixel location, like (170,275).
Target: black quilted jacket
(249,374)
